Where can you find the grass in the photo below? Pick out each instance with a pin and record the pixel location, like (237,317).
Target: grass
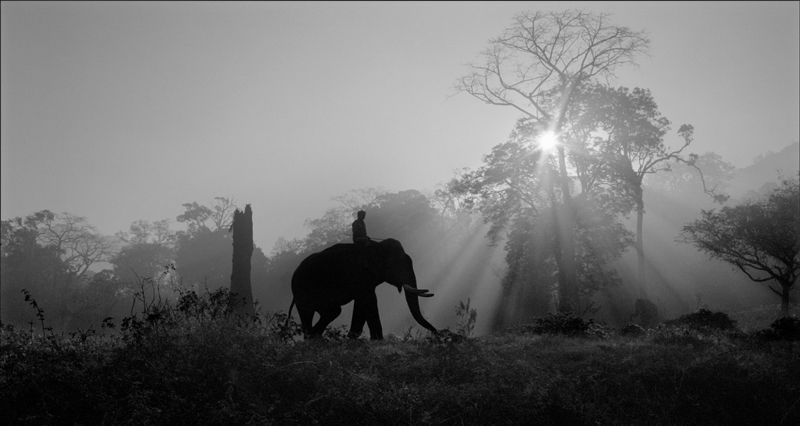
(181,367)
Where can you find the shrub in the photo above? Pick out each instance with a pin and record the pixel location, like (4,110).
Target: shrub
(566,324)
(704,320)
(685,335)
(446,336)
(633,330)
(466,318)
(645,313)
(786,328)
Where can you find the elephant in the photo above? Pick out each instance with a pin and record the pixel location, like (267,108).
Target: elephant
(326,280)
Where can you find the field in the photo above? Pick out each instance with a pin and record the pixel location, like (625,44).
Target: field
(193,365)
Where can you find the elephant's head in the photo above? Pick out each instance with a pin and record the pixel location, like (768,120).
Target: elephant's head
(400,273)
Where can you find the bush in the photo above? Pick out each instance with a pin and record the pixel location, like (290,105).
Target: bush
(634,330)
(684,335)
(704,320)
(786,328)
(565,324)
(466,318)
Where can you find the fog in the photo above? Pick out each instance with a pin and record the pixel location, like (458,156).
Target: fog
(124,112)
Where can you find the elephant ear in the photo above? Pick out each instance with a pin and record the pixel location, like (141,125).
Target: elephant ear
(378,256)
(372,257)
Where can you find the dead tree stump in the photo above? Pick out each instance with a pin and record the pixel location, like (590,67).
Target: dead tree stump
(241,290)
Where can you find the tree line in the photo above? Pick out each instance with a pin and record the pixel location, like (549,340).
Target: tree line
(52,255)
(55,257)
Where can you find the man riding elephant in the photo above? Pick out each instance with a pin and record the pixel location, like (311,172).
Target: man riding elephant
(360,239)
(327,280)
(360,230)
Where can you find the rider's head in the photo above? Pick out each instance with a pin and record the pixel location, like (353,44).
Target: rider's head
(361,214)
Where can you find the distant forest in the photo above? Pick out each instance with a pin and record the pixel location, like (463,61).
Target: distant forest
(56,257)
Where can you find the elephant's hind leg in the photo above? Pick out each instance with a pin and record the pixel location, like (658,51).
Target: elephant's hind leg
(326,316)
(306,318)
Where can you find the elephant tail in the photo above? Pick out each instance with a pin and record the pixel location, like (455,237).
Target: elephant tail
(288,315)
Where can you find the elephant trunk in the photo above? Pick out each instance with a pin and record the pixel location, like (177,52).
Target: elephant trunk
(413,305)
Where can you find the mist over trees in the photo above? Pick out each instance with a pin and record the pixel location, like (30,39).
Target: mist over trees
(565,210)
(50,255)
(546,66)
(56,258)
(535,67)
(445,242)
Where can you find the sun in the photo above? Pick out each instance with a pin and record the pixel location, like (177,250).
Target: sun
(548,141)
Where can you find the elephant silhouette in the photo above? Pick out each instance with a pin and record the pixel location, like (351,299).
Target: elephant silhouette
(327,280)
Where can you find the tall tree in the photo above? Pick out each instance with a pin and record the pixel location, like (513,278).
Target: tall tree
(514,192)
(534,67)
(627,132)
(241,289)
(759,237)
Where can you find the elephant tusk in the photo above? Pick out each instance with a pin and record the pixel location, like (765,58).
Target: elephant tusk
(417,291)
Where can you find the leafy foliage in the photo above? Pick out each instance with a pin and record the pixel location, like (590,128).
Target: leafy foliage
(784,328)
(632,330)
(759,237)
(49,255)
(704,319)
(466,318)
(515,192)
(566,324)
(141,258)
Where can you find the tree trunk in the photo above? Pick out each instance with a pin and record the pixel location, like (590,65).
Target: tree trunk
(568,295)
(785,290)
(241,290)
(640,242)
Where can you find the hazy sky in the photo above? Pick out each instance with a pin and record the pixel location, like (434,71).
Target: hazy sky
(124,111)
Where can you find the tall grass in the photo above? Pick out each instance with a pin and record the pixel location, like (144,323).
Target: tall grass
(192,362)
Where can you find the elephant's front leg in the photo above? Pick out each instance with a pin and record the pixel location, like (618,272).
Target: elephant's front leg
(357,324)
(370,312)
(365,310)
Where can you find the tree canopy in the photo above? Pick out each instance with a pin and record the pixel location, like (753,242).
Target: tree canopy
(759,237)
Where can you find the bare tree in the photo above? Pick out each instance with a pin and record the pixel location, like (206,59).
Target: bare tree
(222,214)
(534,68)
(547,54)
(78,243)
(218,217)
